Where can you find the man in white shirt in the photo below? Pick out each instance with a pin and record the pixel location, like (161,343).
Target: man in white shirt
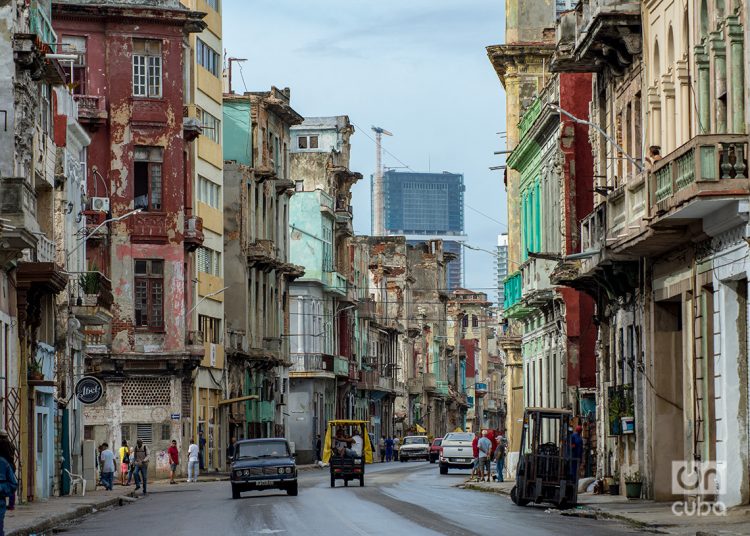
(358,444)
(193,461)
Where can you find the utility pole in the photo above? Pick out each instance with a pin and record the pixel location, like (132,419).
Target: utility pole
(378,227)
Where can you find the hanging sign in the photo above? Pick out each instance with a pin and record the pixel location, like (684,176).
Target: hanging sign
(89,390)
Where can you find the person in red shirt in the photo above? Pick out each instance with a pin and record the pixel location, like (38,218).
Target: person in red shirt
(174,460)
(475,448)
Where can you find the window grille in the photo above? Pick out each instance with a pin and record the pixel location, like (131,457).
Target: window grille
(146,392)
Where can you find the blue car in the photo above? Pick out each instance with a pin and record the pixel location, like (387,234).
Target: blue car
(260,464)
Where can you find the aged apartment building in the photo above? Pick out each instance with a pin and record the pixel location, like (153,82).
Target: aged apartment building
(257,192)
(203,112)
(521,64)
(138,220)
(323,302)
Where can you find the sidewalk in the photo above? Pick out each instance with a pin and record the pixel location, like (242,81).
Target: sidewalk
(41,516)
(649,515)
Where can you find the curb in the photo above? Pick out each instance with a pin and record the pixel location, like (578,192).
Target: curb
(59,519)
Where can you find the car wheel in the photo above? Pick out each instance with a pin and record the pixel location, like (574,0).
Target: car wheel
(432,459)
(362,481)
(235,492)
(516,499)
(333,481)
(346,482)
(443,470)
(292,490)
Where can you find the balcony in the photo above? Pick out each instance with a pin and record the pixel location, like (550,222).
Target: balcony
(148,227)
(430,382)
(309,364)
(191,123)
(272,344)
(18,214)
(414,386)
(480,389)
(341,366)
(705,179)
(262,253)
(45,251)
(334,283)
(537,289)
(193,233)
(441,387)
(368,380)
(92,110)
(194,344)
(598,33)
(91,299)
(366,309)
(262,411)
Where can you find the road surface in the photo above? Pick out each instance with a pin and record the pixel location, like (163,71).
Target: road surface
(398,498)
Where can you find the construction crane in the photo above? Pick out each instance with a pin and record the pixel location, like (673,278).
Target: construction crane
(378,206)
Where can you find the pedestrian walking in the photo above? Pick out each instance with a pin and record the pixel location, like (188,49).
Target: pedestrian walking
(193,461)
(500,453)
(141,459)
(8,481)
(318,447)
(107,459)
(389,449)
(484,446)
(381,448)
(231,450)
(174,460)
(576,447)
(202,450)
(124,463)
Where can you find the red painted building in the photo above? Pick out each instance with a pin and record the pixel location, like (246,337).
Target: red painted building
(130,76)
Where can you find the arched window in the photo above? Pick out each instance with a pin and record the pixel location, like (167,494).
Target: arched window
(704,19)
(656,63)
(670,49)
(474,321)
(685,36)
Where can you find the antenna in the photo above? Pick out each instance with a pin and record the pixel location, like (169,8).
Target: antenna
(378,205)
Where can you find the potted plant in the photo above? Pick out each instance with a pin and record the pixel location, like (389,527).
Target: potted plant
(34,371)
(633,485)
(614,484)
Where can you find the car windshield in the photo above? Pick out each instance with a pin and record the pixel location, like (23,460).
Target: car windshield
(437,442)
(415,441)
(263,449)
(459,437)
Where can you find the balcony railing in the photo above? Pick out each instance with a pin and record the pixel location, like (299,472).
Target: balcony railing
(335,283)
(308,363)
(91,298)
(430,382)
(513,287)
(193,232)
(149,227)
(45,249)
(92,109)
(340,366)
(705,165)
(18,210)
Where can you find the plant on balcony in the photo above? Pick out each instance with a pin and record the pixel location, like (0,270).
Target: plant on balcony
(34,371)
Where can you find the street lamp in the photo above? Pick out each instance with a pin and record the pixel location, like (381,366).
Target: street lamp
(89,235)
(204,298)
(601,131)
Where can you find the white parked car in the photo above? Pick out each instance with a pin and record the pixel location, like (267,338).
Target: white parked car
(457,452)
(414,448)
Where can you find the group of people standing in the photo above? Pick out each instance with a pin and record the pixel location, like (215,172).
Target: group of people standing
(134,464)
(488,447)
(388,448)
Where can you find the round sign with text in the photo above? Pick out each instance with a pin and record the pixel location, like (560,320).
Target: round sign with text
(89,390)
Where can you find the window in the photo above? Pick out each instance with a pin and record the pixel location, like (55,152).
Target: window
(307,142)
(207,58)
(149,294)
(209,261)
(75,75)
(210,126)
(299,186)
(125,432)
(88,432)
(474,321)
(211,329)
(166,431)
(146,68)
(213,4)
(147,173)
(45,109)
(209,192)
(144,432)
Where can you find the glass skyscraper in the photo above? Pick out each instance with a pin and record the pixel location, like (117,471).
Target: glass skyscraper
(502,268)
(423,206)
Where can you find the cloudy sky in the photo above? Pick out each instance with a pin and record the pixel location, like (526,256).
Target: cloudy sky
(415,67)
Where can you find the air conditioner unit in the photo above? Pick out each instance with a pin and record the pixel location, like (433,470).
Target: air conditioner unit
(100,203)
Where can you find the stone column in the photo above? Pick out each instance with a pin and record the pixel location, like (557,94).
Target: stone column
(654,103)
(667,89)
(685,110)
(736,49)
(719,52)
(704,88)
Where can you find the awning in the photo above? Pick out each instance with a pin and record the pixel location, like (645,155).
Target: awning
(238,399)
(420,429)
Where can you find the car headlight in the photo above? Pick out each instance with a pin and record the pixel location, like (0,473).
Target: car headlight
(280,470)
(288,470)
(246,472)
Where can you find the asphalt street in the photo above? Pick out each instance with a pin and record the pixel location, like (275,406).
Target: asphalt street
(398,498)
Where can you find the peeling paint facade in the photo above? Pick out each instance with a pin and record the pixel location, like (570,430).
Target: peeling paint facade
(131,98)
